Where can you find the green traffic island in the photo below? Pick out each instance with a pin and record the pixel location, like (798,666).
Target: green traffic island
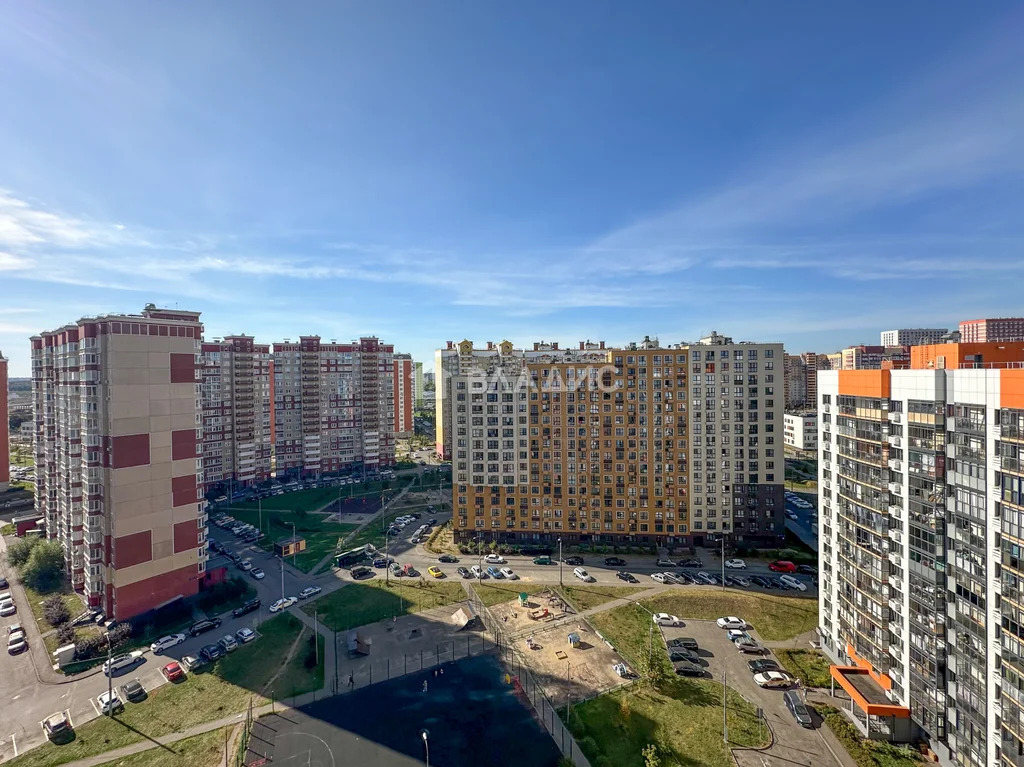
(359,604)
(809,666)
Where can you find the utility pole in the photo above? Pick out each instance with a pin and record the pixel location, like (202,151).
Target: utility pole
(110,679)
(282,577)
(723,561)
(725,719)
(559,563)
(259,503)
(387,561)
(316,639)
(295,545)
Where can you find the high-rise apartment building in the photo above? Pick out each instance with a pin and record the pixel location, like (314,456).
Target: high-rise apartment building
(795,376)
(995,329)
(668,446)
(417,384)
(800,430)
(912,336)
(116,445)
(402,384)
(921,517)
(235,377)
(864,357)
(5,445)
(333,406)
(813,362)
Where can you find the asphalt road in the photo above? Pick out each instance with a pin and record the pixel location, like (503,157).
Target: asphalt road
(802,525)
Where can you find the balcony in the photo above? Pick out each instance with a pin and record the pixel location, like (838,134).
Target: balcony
(895,464)
(895,416)
(896,535)
(893,439)
(895,488)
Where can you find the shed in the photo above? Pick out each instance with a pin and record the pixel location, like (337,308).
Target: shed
(288,546)
(25,523)
(358,644)
(574,639)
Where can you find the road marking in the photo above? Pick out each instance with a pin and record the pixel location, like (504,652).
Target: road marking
(15,744)
(68,712)
(95,707)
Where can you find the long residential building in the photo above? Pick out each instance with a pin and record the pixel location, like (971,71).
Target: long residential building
(333,406)
(921,540)
(912,336)
(993,329)
(116,450)
(670,446)
(5,445)
(235,378)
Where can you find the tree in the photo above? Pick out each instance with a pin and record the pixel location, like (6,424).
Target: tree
(66,634)
(120,634)
(56,611)
(19,551)
(652,758)
(45,566)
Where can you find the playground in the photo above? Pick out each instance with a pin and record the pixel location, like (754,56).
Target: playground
(564,652)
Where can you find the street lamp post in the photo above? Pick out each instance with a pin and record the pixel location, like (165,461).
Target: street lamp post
(294,545)
(723,561)
(559,563)
(426,745)
(110,679)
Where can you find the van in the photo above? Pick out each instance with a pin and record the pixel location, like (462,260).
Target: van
(248,607)
(793,583)
(203,626)
(797,708)
(782,566)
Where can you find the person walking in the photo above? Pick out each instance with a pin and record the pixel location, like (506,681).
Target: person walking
(424,685)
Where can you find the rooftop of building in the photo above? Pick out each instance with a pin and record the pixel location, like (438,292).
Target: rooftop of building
(150,313)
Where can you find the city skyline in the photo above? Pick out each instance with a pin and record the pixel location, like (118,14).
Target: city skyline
(408,175)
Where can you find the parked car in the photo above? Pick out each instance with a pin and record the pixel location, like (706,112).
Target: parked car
(208,624)
(360,571)
(658,577)
(735,635)
(494,572)
(688,643)
(212,652)
(797,708)
(57,726)
(793,583)
(309,591)
(762,665)
(574,561)
(731,622)
(749,646)
(736,564)
(173,671)
(685,668)
(494,559)
(614,562)
(192,662)
(806,570)
(773,680)
(684,577)
(109,702)
(542,560)
(477,572)
(447,559)
(683,654)
(283,604)
(463,572)
(165,643)
(664,563)
(248,607)
(133,691)
(7,608)
(583,575)
(782,566)
(121,662)
(16,643)
(228,642)
(761,581)
(664,619)
(381,562)
(691,563)
(704,577)
(507,572)
(622,575)
(245,565)
(435,572)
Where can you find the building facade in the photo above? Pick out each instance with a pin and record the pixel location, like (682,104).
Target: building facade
(333,406)
(920,518)
(795,376)
(644,444)
(417,384)
(116,451)
(5,444)
(864,357)
(800,430)
(404,394)
(235,377)
(995,329)
(912,336)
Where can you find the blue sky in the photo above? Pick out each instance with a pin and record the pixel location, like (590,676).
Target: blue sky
(426,171)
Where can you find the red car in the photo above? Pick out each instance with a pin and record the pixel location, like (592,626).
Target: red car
(173,671)
(782,566)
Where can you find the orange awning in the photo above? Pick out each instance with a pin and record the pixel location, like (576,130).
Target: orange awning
(859,686)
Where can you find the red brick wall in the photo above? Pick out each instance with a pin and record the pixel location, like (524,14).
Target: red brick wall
(137,598)
(133,549)
(130,450)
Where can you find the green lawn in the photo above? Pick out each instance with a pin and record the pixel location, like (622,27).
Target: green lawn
(8,529)
(809,666)
(321,536)
(361,603)
(204,750)
(774,617)
(867,752)
(496,593)
(585,597)
(36,598)
(628,628)
(170,708)
(683,718)
(248,667)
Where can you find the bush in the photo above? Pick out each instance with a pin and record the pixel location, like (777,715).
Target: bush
(223,593)
(66,634)
(120,634)
(90,646)
(55,611)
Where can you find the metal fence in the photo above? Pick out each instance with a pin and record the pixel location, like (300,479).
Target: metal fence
(468,646)
(243,756)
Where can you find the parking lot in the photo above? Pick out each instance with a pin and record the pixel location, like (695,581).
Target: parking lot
(793,744)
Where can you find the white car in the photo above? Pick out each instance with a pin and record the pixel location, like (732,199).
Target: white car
(507,572)
(731,622)
(309,591)
(282,604)
(773,679)
(793,583)
(494,559)
(8,608)
(658,577)
(582,574)
(664,619)
(109,701)
(736,564)
(244,636)
(118,662)
(476,571)
(164,643)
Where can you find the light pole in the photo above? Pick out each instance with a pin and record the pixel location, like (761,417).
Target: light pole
(723,561)
(426,745)
(282,577)
(259,503)
(559,563)
(110,679)
(295,545)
